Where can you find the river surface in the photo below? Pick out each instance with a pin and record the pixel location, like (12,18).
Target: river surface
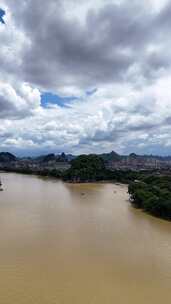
(79,244)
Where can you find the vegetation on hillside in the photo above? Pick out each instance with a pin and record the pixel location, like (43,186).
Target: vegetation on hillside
(86,168)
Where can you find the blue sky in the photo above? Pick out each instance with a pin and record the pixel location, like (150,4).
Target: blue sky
(2,14)
(49,98)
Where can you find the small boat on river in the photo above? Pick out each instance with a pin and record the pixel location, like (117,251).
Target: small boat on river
(1,189)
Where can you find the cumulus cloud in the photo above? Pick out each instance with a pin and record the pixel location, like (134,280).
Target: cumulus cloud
(18,103)
(118,50)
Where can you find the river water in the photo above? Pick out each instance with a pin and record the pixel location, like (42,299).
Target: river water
(79,244)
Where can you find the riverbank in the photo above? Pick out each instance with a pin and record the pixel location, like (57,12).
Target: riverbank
(147,191)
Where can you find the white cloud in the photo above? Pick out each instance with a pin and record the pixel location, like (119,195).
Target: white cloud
(18,102)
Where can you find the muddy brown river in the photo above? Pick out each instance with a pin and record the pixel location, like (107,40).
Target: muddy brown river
(79,244)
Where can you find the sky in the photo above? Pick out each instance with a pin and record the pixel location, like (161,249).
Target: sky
(85,76)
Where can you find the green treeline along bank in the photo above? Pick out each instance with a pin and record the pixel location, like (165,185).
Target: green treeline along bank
(153,195)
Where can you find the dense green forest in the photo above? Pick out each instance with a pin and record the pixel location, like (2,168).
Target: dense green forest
(86,168)
(153,195)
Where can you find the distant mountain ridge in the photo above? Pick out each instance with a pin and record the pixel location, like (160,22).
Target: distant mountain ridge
(111,156)
(7,157)
(52,157)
